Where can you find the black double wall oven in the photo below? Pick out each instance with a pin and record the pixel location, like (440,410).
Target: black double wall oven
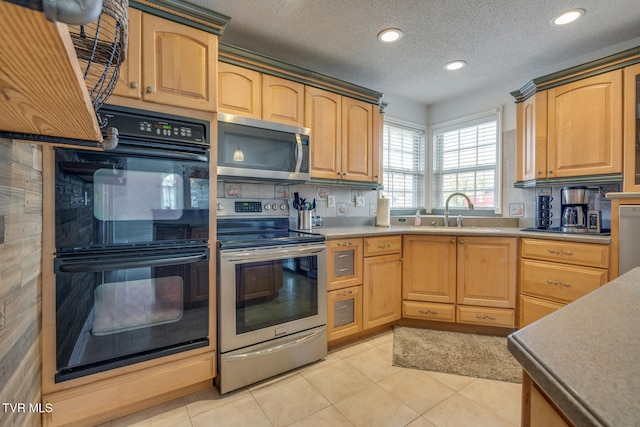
(132,250)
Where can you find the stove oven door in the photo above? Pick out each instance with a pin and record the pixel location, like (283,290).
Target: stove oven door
(270,292)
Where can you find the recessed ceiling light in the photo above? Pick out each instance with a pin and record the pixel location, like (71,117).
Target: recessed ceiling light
(455,65)
(390,35)
(568,17)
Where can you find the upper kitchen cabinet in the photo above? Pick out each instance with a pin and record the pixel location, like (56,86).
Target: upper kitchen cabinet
(632,128)
(585,127)
(282,100)
(169,63)
(570,123)
(249,93)
(342,136)
(239,91)
(531,119)
(345,123)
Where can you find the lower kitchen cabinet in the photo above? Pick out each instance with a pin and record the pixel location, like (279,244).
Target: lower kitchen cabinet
(460,279)
(554,273)
(344,312)
(382,290)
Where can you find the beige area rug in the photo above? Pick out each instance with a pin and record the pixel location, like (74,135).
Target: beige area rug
(472,355)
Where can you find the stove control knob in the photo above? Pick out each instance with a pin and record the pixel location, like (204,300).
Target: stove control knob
(267,206)
(283,207)
(274,207)
(219,206)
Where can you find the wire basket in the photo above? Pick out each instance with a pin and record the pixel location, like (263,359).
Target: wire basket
(101,47)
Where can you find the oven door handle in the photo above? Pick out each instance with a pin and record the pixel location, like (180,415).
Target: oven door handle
(272,254)
(271,350)
(96,266)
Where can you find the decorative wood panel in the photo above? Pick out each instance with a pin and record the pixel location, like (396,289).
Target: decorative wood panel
(20,289)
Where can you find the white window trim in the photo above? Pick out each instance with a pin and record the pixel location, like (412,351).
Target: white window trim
(428,168)
(440,127)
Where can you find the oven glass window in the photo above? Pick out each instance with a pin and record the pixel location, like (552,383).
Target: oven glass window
(275,292)
(137,195)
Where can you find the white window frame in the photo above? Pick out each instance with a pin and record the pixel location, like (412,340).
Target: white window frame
(459,124)
(417,127)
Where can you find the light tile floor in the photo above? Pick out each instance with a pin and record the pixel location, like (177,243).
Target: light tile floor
(355,385)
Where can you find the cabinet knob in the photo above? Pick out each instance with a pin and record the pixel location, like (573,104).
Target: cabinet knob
(149,89)
(453,240)
(462,242)
(133,85)
(549,171)
(539,172)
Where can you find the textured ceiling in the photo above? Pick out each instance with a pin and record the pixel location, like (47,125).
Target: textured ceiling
(501,40)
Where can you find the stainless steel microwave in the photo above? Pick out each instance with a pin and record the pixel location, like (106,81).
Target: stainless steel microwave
(251,148)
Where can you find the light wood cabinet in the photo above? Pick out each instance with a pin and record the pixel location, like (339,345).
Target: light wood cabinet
(585,127)
(554,273)
(531,118)
(382,281)
(537,409)
(282,100)
(169,63)
(253,94)
(475,277)
(342,129)
(344,312)
(239,91)
(344,263)
(631,180)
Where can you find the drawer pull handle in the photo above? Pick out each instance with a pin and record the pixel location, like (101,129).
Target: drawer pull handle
(343,269)
(428,312)
(384,245)
(558,283)
(485,317)
(560,252)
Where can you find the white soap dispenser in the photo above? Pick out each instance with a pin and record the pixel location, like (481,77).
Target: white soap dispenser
(416,221)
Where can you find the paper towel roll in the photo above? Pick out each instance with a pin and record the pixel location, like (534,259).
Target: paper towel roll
(383,218)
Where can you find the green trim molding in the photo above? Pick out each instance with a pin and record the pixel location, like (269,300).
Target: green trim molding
(267,65)
(185,13)
(593,68)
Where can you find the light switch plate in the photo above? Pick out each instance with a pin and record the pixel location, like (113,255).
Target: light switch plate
(359,201)
(331,201)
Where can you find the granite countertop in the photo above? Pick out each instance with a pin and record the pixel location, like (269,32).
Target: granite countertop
(372,231)
(586,356)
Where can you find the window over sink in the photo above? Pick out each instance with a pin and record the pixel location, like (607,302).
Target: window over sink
(466,159)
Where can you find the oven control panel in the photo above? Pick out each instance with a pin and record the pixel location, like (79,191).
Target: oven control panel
(252,208)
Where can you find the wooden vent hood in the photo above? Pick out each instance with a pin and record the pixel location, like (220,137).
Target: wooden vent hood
(43,95)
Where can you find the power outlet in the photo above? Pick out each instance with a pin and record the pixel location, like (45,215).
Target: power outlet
(331,201)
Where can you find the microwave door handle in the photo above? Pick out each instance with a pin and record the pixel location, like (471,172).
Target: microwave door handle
(97,266)
(298,153)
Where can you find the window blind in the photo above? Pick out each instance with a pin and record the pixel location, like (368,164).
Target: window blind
(465,160)
(403,165)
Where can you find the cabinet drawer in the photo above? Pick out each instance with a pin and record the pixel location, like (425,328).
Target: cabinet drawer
(532,309)
(590,254)
(503,317)
(382,245)
(559,282)
(344,312)
(429,311)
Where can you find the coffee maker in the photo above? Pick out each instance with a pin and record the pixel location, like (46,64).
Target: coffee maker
(574,206)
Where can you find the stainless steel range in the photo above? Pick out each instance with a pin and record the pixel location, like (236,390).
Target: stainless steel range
(272,293)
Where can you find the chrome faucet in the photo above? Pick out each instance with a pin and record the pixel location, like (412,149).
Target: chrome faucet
(446,207)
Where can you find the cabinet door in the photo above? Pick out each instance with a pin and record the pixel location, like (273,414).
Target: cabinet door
(179,64)
(357,140)
(382,288)
(429,268)
(282,101)
(585,126)
(378,130)
(239,91)
(344,263)
(129,76)
(487,268)
(532,138)
(344,312)
(632,128)
(323,115)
